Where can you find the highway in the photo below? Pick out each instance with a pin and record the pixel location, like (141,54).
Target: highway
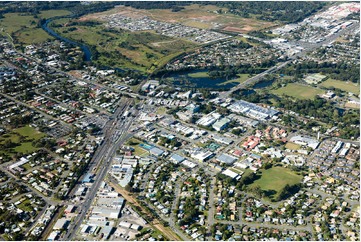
(102,160)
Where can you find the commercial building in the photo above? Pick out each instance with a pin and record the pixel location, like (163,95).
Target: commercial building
(227,159)
(252,110)
(305,141)
(221,124)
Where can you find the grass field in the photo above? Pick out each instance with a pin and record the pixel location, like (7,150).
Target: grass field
(199,74)
(292,146)
(161,110)
(25,146)
(276,179)
(53,13)
(298,91)
(241,78)
(138,151)
(344,86)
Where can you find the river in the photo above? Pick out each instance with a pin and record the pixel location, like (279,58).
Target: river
(84,48)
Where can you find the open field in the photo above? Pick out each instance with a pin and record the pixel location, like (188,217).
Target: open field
(23,27)
(22,145)
(298,91)
(292,146)
(344,86)
(276,178)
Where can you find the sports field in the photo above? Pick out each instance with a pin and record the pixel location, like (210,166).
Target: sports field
(298,91)
(276,179)
(344,86)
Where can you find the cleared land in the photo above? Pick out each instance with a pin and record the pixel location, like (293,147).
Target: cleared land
(298,91)
(23,27)
(344,86)
(276,178)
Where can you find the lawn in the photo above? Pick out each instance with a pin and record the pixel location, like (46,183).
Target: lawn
(344,86)
(276,179)
(298,91)
(292,146)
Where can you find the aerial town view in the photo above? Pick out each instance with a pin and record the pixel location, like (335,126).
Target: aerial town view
(180,121)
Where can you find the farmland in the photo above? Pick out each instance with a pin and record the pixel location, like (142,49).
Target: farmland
(298,91)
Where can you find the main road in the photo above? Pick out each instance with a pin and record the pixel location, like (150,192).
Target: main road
(102,160)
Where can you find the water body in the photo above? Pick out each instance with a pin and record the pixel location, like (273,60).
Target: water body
(84,48)
(195,79)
